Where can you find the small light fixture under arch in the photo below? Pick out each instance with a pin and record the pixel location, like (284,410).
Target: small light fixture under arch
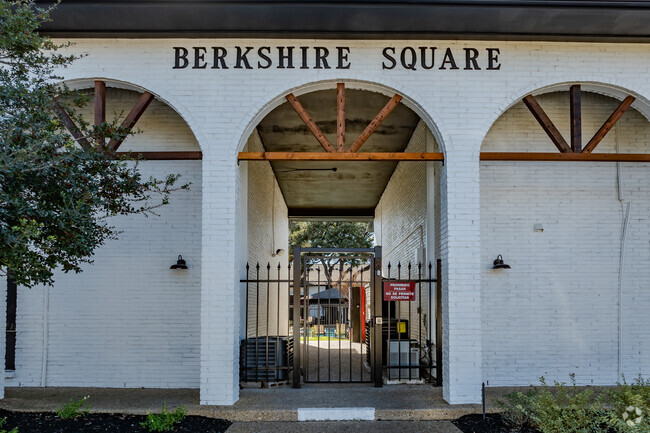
(498,263)
(278,252)
(180,264)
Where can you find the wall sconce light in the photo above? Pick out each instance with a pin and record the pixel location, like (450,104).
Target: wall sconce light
(180,264)
(278,252)
(498,263)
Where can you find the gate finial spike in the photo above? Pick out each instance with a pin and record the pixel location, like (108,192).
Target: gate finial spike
(279,266)
(258,266)
(268,266)
(409,266)
(247,266)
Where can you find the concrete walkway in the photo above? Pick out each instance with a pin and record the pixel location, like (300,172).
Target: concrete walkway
(394,403)
(345,426)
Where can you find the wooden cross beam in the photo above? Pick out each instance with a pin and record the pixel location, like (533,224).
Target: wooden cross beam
(340,117)
(546,124)
(309,122)
(100,118)
(609,124)
(374,124)
(576,118)
(132,118)
(100,108)
(70,125)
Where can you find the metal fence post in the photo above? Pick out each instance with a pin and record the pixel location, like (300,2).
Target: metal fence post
(297,268)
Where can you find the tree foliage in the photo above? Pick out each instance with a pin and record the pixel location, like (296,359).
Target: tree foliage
(55,196)
(331,234)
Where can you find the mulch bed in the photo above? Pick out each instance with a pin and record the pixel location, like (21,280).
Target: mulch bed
(46,422)
(493,424)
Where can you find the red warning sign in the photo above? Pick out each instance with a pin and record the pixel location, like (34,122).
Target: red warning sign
(399,291)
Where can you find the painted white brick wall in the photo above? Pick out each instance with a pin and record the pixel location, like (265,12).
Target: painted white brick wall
(556,311)
(268,230)
(401,230)
(127,320)
(222,107)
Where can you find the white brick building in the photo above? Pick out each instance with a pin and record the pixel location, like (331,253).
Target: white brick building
(576,233)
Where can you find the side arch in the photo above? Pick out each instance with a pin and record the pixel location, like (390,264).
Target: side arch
(589,84)
(168,100)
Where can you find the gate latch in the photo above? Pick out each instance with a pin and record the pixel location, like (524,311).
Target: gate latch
(379,320)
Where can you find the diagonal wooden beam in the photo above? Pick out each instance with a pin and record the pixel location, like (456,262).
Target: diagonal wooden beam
(132,118)
(309,122)
(100,107)
(374,124)
(609,124)
(576,118)
(70,125)
(546,124)
(340,117)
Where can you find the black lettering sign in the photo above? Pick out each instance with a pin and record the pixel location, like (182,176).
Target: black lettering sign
(199,58)
(470,58)
(388,57)
(241,58)
(448,59)
(493,59)
(264,53)
(407,58)
(219,57)
(343,62)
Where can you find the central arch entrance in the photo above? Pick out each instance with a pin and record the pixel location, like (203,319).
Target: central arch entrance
(341,153)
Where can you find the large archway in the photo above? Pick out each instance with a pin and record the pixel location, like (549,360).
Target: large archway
(400,199)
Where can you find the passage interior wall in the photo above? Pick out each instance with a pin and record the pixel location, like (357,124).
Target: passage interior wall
(401,228)
(556,311)
(268,230)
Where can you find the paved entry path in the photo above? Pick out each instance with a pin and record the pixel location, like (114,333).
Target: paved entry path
(336,361)
(345,426)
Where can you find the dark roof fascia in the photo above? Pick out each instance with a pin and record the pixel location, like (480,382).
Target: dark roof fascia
(552,20)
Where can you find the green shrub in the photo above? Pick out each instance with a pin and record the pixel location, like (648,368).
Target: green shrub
(73,410)
(2,424)
(517,409)
(556,408)
(563,409)
(630,406)
(165,420)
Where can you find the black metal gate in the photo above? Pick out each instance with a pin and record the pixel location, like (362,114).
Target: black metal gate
(335,298)
(338,326)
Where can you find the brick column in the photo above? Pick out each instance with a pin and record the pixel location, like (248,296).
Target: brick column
(220,303)
(461,291)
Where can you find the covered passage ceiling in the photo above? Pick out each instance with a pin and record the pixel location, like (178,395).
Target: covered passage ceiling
(354,189)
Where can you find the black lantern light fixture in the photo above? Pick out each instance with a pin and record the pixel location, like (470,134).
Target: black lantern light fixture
(498,263)
(180,264)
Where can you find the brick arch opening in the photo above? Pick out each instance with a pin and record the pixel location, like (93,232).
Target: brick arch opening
(401,200)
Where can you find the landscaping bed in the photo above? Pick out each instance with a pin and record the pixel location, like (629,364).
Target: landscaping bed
(46,422)
(494,423)
(562,408)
